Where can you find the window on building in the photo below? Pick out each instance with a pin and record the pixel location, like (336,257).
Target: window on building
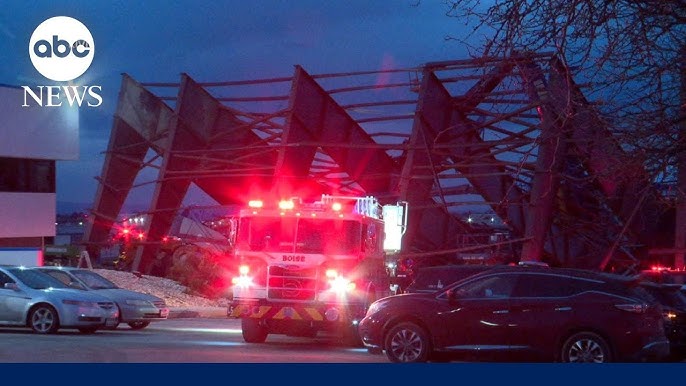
(27,175)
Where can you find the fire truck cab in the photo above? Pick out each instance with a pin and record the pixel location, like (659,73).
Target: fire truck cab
(309,267)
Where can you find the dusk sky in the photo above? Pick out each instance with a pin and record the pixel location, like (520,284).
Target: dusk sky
(220,40)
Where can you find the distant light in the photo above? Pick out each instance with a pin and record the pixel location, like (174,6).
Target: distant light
(80,222)
(255,203)
(469,219)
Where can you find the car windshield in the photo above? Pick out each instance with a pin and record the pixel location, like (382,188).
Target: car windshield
(92,280)
(35,279)
(289,234)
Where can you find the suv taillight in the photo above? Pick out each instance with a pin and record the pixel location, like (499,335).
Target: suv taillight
(636,308)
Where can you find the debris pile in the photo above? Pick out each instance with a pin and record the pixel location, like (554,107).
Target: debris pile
(175,294)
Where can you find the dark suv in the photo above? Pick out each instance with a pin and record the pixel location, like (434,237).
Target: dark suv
(665,276)
(673,303)
(534,312)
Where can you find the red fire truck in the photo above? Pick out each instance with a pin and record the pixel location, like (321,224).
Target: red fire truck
(310,267)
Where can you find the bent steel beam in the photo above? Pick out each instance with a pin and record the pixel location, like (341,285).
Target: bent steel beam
(551,152)
(141,122)
(200,118)
(316,117)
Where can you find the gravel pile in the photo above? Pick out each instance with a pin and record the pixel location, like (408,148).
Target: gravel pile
(175,294)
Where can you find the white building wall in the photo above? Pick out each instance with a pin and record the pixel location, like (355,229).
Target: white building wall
(27,214)
(44,133)
(37,132)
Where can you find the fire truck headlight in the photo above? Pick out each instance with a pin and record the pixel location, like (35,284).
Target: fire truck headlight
(242,281)
(341,285)
(286,205)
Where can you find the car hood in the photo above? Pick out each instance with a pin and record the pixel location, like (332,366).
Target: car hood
(120,294)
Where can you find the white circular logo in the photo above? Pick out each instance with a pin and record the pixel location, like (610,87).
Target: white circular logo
(61,48)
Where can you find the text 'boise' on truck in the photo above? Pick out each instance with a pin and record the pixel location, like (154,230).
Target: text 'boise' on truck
(310,267)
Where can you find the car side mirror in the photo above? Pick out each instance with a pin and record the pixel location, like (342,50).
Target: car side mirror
(11,286)
(452,295)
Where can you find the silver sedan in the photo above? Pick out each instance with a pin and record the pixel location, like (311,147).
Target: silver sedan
(137,309)
(34,299)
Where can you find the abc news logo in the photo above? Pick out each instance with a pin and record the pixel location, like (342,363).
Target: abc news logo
(61,49)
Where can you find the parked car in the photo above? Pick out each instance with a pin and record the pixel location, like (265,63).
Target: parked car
(673,303)
(432,279)
(665,276)
(30,298)
(136,309)
(536,313)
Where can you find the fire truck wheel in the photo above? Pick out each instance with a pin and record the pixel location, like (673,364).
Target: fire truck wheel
(253,331)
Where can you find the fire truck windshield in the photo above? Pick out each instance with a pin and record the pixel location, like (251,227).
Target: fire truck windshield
(302,235)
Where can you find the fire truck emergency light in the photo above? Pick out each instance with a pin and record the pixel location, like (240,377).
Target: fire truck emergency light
(255,203)
(286,205)
(336,206)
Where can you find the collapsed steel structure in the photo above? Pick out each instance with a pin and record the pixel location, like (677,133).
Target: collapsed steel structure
(513,135)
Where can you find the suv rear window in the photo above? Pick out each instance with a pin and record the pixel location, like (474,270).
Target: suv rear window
(551,286)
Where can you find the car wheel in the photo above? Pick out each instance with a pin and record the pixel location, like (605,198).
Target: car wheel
(43,319)
(88,330)
(407,342)
(138,325)
(253,331)
(586,347)
(119,321)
